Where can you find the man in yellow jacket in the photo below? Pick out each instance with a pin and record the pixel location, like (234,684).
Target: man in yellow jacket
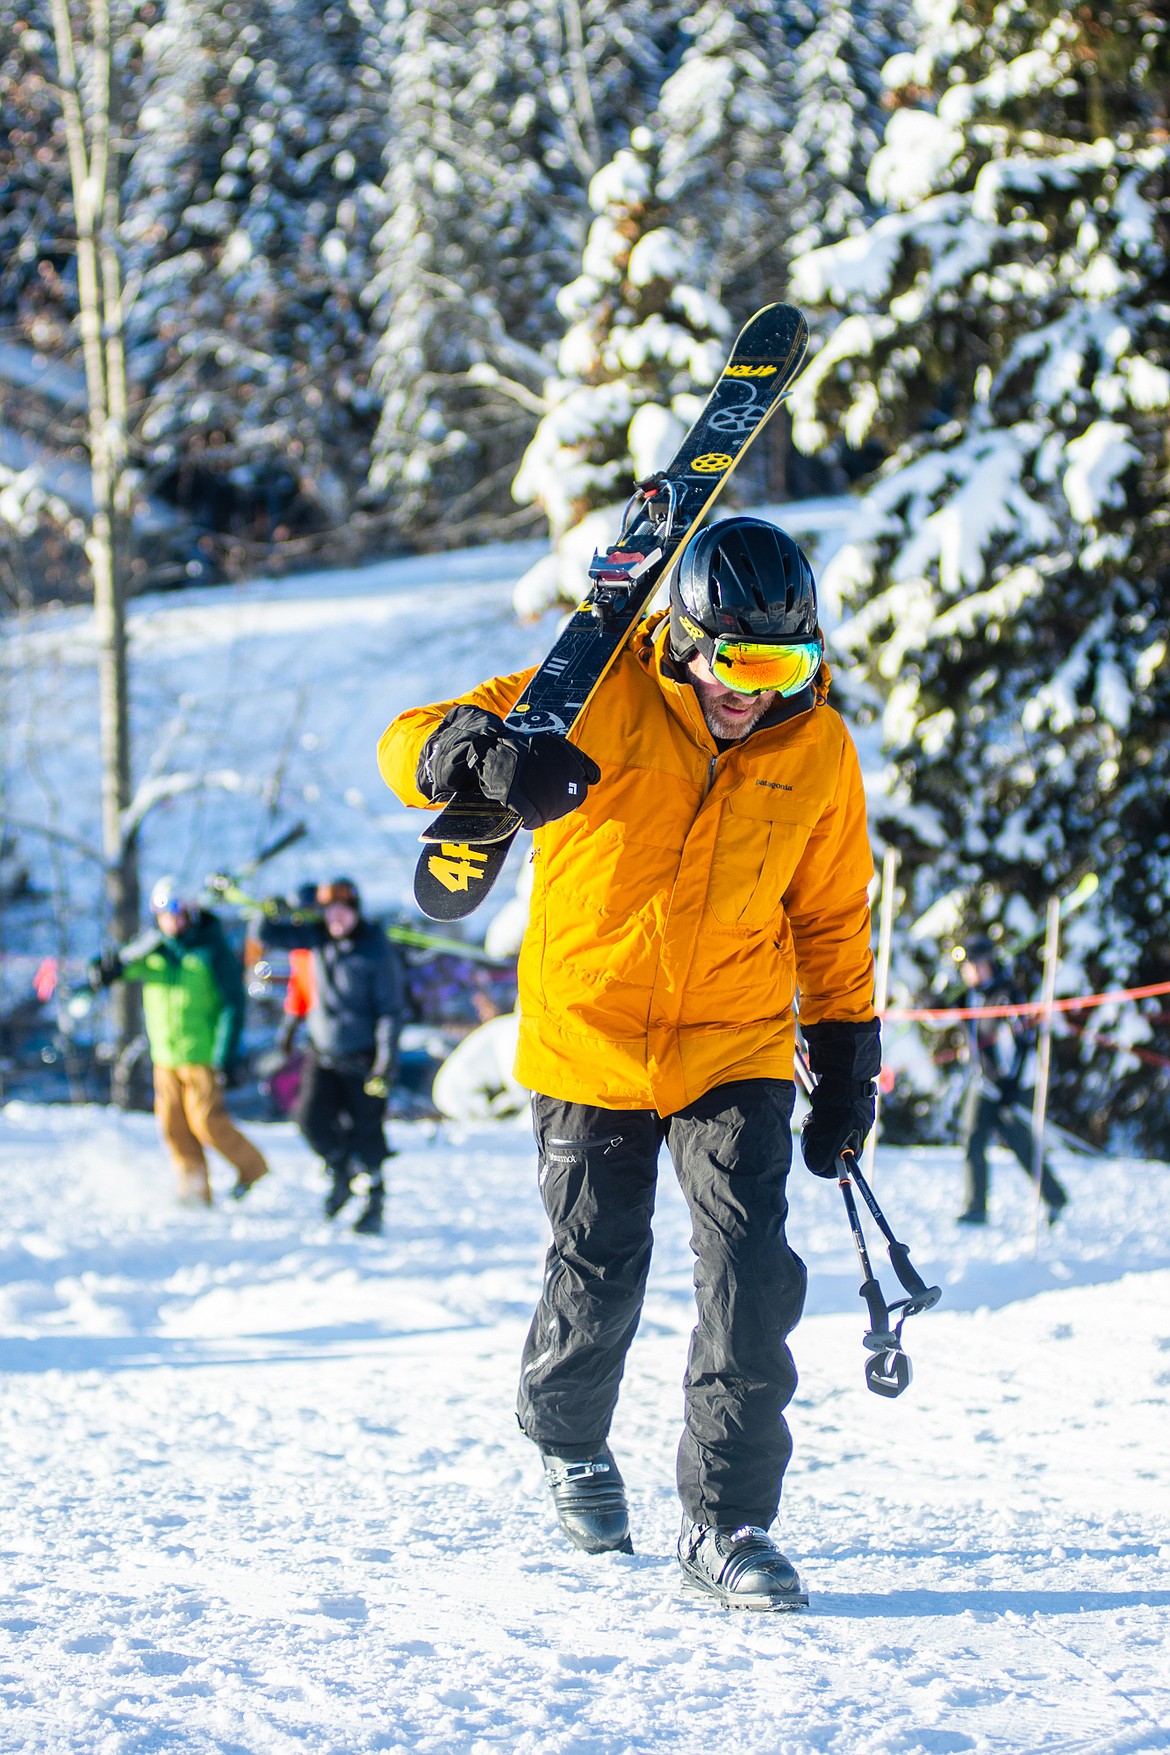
(705,862)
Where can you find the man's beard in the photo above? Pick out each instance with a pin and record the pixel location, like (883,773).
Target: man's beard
(728,729)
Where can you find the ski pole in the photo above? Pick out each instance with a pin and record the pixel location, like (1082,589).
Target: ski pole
(880,1338)
(888,1371)
(921,1296)
(288,839)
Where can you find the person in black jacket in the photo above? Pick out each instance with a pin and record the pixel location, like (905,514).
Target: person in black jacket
(999,1049)
(357,1004)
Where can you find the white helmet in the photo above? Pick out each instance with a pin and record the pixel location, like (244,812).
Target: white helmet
(167,897)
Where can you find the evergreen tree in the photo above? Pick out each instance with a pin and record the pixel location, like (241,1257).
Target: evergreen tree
(721,122)
(463,259)
(836,116)
(498,120)
(251,198)
(642,340)
(1005,337)
(767,129)
(34,177)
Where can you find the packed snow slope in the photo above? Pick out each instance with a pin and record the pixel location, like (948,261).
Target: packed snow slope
(263,1491)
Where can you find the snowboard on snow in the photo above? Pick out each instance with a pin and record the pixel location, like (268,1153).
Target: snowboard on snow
(467,843)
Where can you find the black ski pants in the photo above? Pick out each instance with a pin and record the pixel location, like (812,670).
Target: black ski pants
(598,1169)
(336,1117)
(988,1116)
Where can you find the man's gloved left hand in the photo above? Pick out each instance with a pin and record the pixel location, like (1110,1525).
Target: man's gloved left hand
(376,1085)
(838,1121)
(846,1059)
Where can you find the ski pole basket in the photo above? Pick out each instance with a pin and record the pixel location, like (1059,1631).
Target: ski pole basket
(888,1370)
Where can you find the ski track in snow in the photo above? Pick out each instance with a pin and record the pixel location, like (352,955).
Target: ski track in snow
(264,1492)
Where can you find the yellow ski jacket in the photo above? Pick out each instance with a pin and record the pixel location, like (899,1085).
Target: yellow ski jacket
(676,913)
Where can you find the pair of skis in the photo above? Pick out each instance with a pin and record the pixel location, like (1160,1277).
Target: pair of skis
(466,846)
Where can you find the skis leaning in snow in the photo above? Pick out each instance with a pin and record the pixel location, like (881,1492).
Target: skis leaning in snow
(466,845)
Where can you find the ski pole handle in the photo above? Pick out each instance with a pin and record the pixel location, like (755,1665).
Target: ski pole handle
(911,1279)
(880,1337)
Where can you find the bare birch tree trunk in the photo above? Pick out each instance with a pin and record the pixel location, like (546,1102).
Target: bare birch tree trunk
(92,127)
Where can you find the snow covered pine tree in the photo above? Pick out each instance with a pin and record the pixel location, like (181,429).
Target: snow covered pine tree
(1005,338)
(643,339)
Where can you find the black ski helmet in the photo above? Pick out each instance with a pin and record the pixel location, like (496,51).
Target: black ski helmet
(742,579)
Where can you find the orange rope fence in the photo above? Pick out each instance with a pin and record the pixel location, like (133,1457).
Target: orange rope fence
(1031,1008)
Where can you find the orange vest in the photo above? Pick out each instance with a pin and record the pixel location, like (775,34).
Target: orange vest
(300,996)
(677,911)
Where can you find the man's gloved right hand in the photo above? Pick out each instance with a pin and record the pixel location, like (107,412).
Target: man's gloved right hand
(543,777)
(103,971)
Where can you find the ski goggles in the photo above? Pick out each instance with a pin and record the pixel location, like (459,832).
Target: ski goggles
(752,668)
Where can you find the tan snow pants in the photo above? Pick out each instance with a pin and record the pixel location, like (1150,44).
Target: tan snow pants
(189,1105)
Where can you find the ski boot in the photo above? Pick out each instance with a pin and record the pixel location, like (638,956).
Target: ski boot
(239,1187)
(369,1221)
(741,1568)
(590,1499)
(340,1189)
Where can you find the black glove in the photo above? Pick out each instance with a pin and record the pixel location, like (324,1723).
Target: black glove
(846,1059)
(103,971)
(543,777)
(286,1034)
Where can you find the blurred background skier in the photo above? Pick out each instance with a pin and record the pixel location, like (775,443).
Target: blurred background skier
(353,989)
(193,1001)
(999,1050)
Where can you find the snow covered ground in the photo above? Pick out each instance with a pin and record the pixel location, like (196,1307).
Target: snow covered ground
(263,1490)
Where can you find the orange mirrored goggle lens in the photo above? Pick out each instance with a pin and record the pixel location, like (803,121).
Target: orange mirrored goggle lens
(750,669)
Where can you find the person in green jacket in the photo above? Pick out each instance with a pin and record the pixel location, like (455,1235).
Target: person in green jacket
(193,1000)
